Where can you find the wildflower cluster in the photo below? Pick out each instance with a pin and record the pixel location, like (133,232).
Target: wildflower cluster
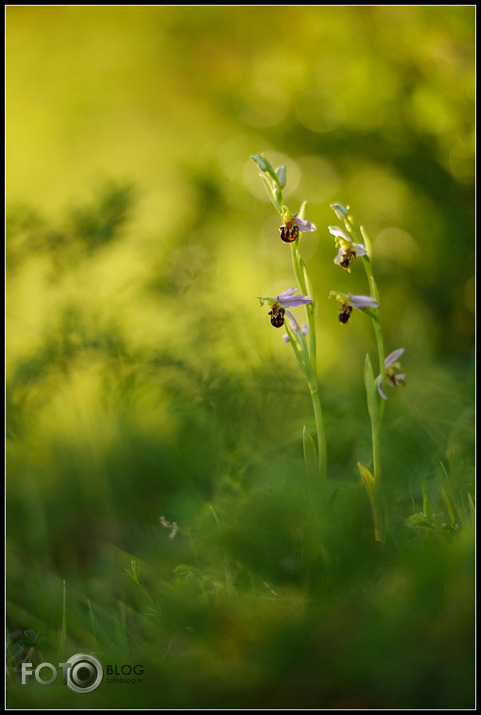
(352,246)
(350,250)
(302,340)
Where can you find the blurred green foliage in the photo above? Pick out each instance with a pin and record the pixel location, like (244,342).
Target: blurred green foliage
(144,381)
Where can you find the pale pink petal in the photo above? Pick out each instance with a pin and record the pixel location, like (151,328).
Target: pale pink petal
(293,321)
(287,292)
(336,231)
(360,249)
(305,225)
(363,301)
(380,389)
(294,301)
(395,355)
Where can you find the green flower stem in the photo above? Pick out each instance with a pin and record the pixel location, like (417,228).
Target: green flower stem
(300,348)
(321,438)
(381,355)
(373,290)
(376,450)
(376,496)
(303,281)
(376,322)
(377,508)
(311,367)
(306,356)
(376,420)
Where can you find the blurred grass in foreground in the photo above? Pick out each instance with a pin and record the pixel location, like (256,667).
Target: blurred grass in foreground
(143,380)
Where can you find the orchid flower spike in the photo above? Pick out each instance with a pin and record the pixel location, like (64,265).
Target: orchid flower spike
(280,304)
(292,225)
(348,250)
(393,378)
(360,302)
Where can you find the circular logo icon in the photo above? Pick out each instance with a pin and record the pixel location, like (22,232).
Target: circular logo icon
(85,673)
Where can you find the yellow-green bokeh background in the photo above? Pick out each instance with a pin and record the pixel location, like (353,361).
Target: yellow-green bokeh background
(143,378)
(370,106)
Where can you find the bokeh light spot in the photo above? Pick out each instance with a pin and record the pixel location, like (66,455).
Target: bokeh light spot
(319,111)
(397,245)
(261,104)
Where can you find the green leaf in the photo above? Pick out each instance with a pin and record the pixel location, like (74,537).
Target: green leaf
(367,478)
(261,162)
(299,350)
(265,165)
(281,176)
(270,193)
(374,289)
(302,211)
(369,312)
(340,211)
(367,243)
(377,509)
(279,199)
(371,393)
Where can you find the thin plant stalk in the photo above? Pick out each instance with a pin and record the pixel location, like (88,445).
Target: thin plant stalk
(300,272)
(301,276)
(306,354)
(377,405)
(311,377)
(376,322)
(321,438)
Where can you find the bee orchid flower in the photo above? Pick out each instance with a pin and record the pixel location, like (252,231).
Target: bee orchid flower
(292,225)
(279,306)
(348,250)
(360,302)
(393,377)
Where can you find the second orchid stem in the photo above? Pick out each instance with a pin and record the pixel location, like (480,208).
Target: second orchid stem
(376,322)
